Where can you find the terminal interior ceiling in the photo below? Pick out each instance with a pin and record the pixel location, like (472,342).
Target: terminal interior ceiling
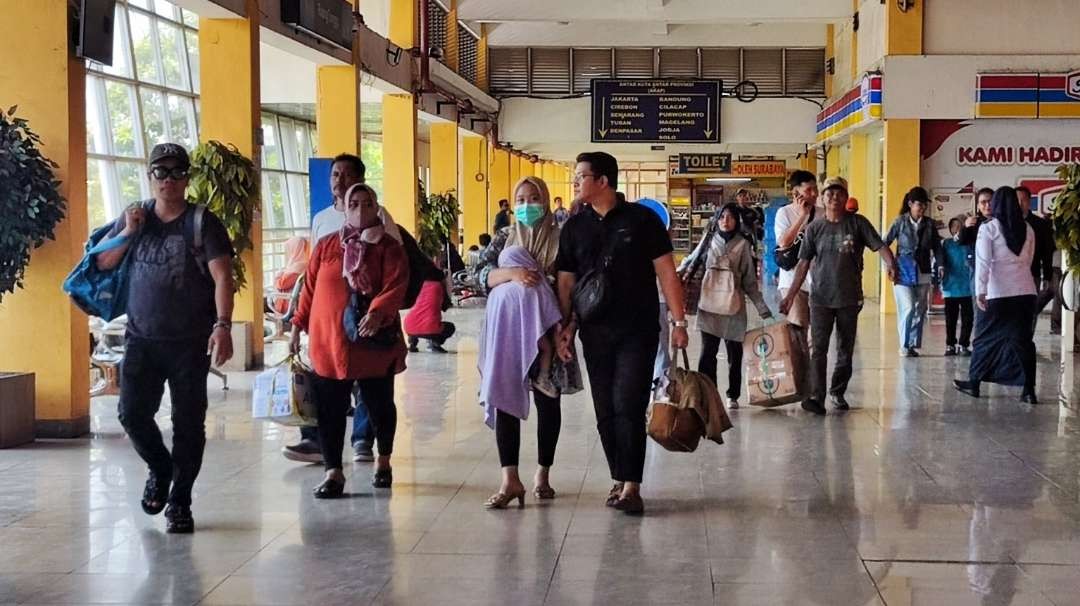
(917,496)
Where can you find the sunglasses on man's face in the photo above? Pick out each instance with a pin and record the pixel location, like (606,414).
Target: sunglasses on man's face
(177,173)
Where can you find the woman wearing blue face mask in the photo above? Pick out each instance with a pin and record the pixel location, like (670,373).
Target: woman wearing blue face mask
(517,351)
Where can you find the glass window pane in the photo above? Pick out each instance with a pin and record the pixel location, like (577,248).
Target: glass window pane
(120,99)
(97,127)
(190,19)
(181,121)
(371,154)
(153,104)
(303,145)
(95,194)
(140,3)
(143,44)
(165,9)
(271,147)
(299,200)
(173,56)
(288,144)
(133,182)
(193,57)
(274,199)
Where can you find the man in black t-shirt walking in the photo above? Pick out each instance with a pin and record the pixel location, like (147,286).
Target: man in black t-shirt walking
(620,343)
(179,311)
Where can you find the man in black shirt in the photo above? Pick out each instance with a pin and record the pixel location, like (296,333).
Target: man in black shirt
(1042,265)
(502,218)
(179,314)
(619,345)
(752,219)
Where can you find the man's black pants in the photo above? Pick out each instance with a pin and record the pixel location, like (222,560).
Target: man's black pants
(146,367)
(620,375)
(822,321)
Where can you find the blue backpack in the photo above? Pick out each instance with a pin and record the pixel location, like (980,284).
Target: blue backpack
(105,293)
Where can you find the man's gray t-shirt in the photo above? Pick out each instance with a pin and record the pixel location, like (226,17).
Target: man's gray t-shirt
(170,298)
(836,250)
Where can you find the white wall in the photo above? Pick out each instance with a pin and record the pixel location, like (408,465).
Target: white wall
(842,81)
(285,78)
(1001,27)
(943,86)
(871,35)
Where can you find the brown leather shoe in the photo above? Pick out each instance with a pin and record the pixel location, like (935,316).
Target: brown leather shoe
(631,505)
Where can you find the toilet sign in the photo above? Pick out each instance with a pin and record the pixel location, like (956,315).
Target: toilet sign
(1072,85)
(690,164)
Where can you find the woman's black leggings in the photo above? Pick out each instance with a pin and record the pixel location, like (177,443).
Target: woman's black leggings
(710,348)
(548,424)
(958,308)
(334,397)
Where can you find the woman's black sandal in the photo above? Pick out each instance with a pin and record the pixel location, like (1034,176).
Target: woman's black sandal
(382,478)
(155,493)
(329,489)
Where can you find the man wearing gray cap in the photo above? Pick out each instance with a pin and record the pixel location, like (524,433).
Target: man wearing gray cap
(180,305)
(835,247)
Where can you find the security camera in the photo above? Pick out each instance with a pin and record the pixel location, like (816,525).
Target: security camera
(435,53)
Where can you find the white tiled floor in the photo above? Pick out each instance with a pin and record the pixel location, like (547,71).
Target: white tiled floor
(919,496)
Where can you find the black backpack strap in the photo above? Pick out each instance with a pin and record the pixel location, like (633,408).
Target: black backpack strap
(193,236)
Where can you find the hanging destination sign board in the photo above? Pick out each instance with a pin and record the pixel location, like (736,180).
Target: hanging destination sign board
(656,111)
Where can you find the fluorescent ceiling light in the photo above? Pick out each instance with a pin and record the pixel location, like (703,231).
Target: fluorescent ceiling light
(728,180)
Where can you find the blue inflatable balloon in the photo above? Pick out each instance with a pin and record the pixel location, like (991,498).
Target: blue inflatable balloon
(657,207)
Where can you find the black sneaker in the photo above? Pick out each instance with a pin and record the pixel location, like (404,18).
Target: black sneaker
(305,451)
(436,348)
(812,405)
(912,352)
(178,520)
(839,403)
(951,351)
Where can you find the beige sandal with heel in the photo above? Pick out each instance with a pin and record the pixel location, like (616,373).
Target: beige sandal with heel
(500,500)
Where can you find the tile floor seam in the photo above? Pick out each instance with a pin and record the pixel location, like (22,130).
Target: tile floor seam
(570,524)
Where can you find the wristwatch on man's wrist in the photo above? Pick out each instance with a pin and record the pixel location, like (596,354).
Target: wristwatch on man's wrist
(223,323)
(679,323)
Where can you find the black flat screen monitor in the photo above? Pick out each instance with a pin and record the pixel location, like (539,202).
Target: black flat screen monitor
(96,30)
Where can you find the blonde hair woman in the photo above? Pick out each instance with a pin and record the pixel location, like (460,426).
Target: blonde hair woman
(516,343)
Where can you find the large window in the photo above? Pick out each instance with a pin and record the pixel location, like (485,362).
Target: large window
(288,144)
(147,96)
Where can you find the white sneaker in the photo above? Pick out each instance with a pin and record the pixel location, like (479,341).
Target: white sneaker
(732,404)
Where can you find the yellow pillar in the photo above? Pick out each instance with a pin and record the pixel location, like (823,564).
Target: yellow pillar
(515,171)
(229,84)
(399,129)
(859,187)
(903,30)
(444,161)
(444,157)
(40,330)
(564,175)
(832,161)
(902,172)
(499,175)
(855,46)
(830,53)
(547,173)
(808,161)
(337,110)
(473,199)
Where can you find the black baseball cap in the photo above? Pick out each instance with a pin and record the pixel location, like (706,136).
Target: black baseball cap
(164,151)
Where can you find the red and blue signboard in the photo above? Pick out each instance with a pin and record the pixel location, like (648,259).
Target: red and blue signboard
(857,107)
(1030,95)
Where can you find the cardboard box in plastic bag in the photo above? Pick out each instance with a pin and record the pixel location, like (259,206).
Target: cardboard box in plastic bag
(775,365)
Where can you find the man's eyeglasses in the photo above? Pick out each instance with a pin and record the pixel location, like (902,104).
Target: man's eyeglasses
(580,178)
(177,173)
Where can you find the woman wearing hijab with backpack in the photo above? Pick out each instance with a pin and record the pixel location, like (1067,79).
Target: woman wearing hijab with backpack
(1003,350)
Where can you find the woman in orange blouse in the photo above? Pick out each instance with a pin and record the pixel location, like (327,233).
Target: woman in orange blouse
(363,269)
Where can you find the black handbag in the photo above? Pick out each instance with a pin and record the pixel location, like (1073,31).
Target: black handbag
(592,293)
(386,338)
(788,258)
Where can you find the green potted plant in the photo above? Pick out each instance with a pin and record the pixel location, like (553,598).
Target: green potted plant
(1065,213)
(227,183)
(438,216)
(30,208)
